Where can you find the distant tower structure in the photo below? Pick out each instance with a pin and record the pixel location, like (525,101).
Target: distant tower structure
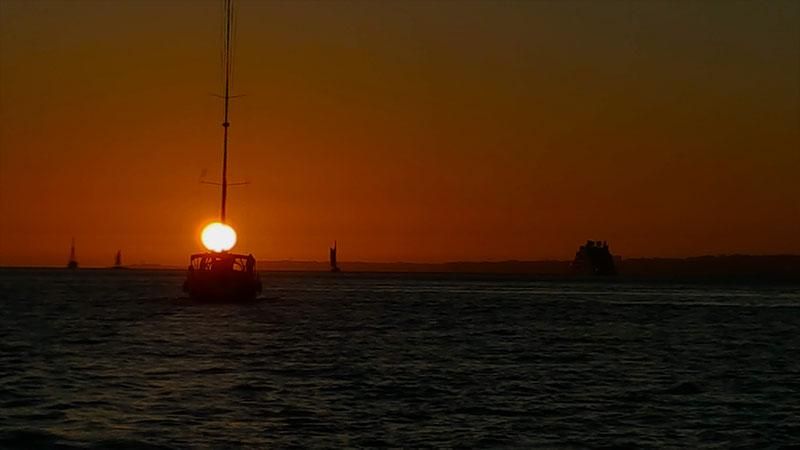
(334,266)
(73,263)
(118,260)
(594,258)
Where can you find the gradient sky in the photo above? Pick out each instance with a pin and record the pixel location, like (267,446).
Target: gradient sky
(407,130)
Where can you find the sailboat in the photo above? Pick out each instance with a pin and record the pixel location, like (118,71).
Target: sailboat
(332,254)
(118,261)
(218,275)
(72,263)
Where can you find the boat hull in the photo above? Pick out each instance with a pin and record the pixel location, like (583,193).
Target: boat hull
(225,287)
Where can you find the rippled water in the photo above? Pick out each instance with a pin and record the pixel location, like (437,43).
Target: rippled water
(117,359)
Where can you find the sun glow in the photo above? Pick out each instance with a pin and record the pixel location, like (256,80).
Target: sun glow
(218,237)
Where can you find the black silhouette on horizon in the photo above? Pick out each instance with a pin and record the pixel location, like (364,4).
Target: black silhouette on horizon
(594,258)
(72,263)
(332,256)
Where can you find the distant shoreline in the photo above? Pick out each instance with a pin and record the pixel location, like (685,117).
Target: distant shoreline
(785,267)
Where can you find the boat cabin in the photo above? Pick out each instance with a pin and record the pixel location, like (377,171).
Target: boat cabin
(222,262)
(222,277)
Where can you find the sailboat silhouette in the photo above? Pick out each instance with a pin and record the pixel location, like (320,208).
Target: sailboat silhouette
(332,254)
(118,261)
(72,263)
(220,276)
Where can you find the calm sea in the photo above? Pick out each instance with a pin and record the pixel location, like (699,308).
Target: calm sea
(118,359)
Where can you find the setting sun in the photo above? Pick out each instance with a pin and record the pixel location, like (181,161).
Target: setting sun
(218,237)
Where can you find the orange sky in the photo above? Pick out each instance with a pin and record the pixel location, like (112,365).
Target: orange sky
(416,131)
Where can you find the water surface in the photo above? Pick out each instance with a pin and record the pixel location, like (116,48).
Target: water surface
(98,359)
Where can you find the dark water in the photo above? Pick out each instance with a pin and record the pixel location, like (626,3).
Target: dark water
(105,359)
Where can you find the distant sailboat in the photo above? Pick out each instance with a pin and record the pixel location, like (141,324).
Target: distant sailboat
(217,275)
(73,263)
(334,266)
(118,260)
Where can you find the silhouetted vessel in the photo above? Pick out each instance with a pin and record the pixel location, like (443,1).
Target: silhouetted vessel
(334,266)
(223,276)
(72,263)
(118,261)
(594,258)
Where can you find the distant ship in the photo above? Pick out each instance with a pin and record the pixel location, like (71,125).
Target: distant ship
(118,261)
(217,275)
(594,258)
(72,263)
(334,266)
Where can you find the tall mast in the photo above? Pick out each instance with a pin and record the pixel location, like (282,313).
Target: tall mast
(226,62)
(72,250)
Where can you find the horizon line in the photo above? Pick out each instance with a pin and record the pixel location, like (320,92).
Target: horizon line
(417,263)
